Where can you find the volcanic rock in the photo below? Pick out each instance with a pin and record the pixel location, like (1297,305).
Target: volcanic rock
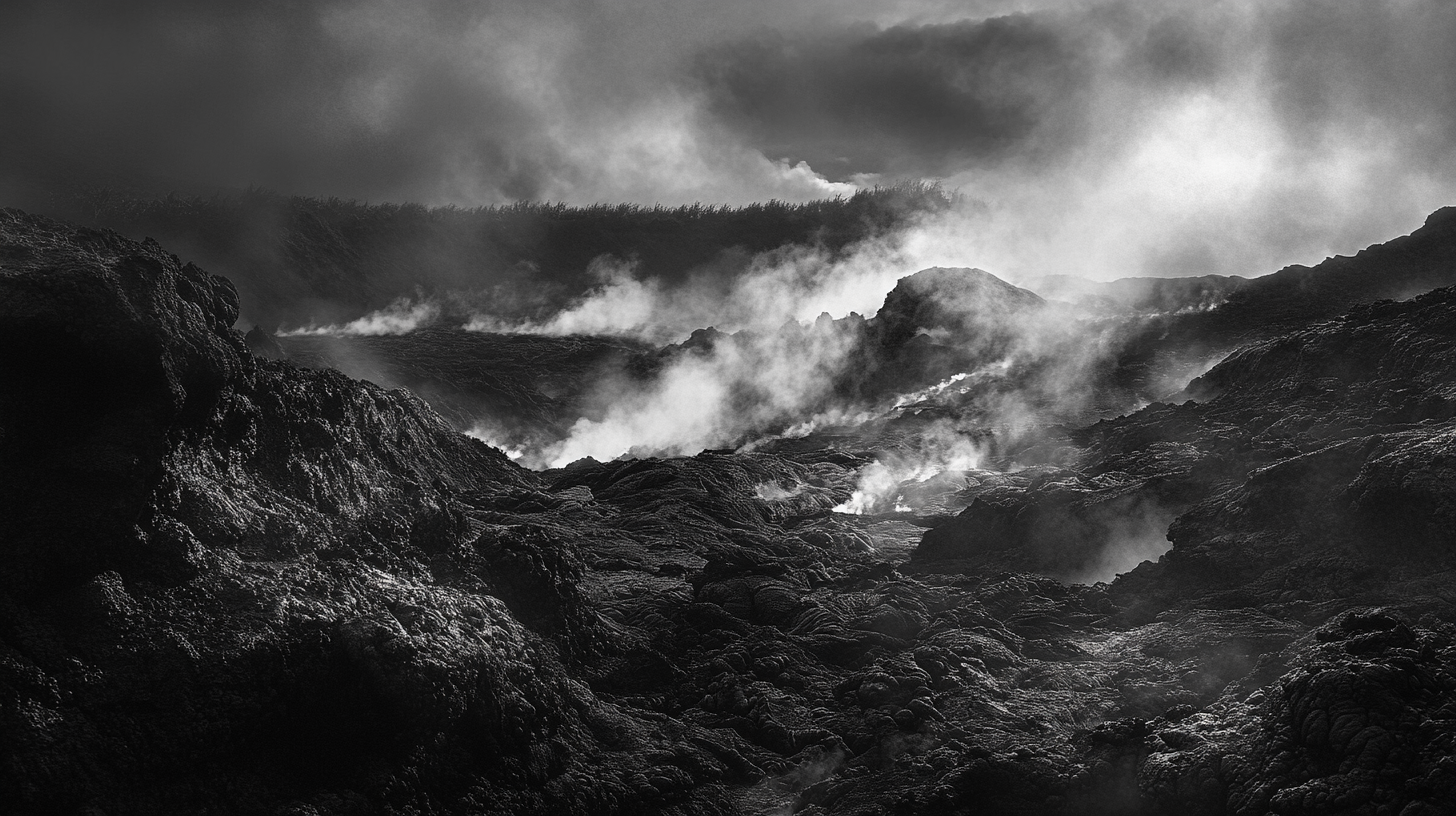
(234,585)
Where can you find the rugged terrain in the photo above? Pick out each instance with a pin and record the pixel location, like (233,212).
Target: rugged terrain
(235,585)
(296,259)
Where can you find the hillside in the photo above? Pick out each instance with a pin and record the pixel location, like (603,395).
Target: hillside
(237,586)
(299,261)
(1299,295)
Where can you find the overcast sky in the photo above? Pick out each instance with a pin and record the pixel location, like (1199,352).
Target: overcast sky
(1103,137)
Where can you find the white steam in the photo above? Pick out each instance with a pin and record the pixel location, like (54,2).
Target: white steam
(708,398)
(400,317)
(790,284)
(681,413)
(494,438)
(837,417)
(956,384)
(620,304)
(777,378)
(779,368)
(889,483)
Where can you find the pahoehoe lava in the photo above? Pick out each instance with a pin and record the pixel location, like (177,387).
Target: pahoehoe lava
(231,583)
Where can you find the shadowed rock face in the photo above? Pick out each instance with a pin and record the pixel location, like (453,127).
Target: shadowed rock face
(232,585)
(1298,296)
(109,345)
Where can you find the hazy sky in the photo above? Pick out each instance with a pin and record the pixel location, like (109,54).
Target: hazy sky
(1103,137)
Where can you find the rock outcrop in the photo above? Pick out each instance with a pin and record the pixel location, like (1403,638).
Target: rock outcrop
(233,585)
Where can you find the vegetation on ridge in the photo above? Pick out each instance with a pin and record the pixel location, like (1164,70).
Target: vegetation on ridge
(299,259)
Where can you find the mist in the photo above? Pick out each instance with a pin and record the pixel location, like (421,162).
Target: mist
(794,283)
(941,453)
(1103,139)
(711,394)
(790,285)
(400,317)
(781,350)
(1092,139)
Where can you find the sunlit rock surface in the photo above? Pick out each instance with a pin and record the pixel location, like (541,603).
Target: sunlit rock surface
(234,585)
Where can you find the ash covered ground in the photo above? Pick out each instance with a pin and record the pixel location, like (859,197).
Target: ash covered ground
(1150,547)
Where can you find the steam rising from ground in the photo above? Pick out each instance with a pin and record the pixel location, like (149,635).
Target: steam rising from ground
(884,484)
(791,284)
(494,438)
(794,283)
(782,373)
(795,314)
(620,304)
(400,317)
(796,317)
(711,397)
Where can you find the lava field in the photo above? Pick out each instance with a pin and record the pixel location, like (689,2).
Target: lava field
(1188,548)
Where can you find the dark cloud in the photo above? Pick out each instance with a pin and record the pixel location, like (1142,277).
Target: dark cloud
(304,96)
(1124,137)
(943,98)
(926,100)
(1128,138)
(464,101)
(1178,49)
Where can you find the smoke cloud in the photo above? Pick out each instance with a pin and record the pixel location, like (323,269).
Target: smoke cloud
(1116,139)
(1101,139)
(444,101)
(793,284)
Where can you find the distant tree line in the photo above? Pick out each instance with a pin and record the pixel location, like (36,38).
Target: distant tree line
(300,259)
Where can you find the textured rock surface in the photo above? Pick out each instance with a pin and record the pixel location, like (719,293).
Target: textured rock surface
(235,586)
(529,386)
(232,585)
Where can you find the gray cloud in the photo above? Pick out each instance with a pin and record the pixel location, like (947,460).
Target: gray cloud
(939,99)
(1105,137)
(439,101)
(1334,67)
(928,100)
(357,101)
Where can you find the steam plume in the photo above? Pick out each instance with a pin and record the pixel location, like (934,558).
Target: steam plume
(400,317)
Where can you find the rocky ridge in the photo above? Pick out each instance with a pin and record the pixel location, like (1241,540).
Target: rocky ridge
(237,586)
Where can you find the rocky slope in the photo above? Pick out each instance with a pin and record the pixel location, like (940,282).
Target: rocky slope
(522,387)
(530,389)
(233,585)
(1140,296)
(1295,297)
